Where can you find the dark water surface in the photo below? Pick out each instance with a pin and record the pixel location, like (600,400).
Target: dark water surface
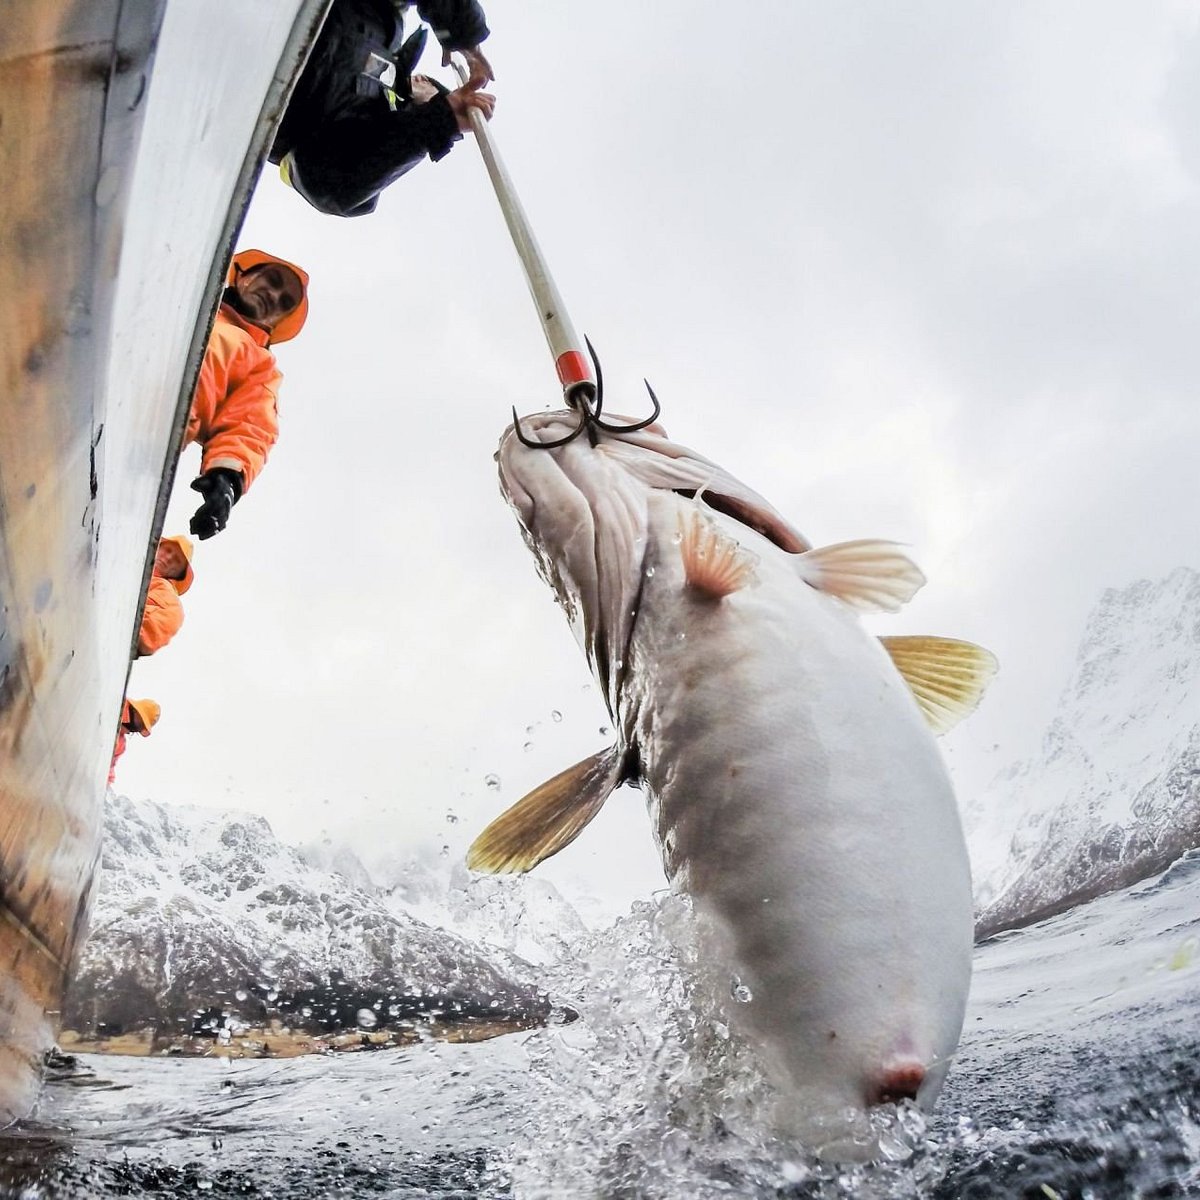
(1078,1076)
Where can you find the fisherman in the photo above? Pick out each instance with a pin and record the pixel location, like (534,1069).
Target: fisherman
(234,414)
(170,577)
(137,716)
(359,119)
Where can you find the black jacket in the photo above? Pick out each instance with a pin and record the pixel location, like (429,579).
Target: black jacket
(336,101)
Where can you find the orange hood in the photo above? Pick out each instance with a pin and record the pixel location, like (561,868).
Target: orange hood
(287,327)
(149,711)
(188,548)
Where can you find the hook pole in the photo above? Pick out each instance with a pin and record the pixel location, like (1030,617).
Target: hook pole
(566,346)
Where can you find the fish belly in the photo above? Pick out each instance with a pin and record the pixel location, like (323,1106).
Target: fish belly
(800,801)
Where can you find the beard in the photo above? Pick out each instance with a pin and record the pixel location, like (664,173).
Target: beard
(250,309)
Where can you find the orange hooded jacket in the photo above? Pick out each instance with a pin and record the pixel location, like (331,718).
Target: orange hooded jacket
(163,613)
(162,617)
(148,711)
(234,413)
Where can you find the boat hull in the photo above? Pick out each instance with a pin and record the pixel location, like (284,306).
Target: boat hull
(128,155)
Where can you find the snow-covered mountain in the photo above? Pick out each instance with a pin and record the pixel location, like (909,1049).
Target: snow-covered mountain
(1114,794)
(204,916)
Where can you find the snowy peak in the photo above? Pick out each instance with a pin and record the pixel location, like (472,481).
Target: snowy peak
(205,916)
(1113,795)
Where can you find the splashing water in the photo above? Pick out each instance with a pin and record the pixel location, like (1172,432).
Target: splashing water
(1078,1075)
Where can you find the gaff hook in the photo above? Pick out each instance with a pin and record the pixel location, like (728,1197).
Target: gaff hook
(581,397)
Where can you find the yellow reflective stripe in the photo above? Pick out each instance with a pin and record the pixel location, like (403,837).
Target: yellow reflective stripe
(285,169)
(391,98)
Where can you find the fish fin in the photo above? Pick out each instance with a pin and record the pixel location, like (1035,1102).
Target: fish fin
(947,677)
(550,817)
(869,575)
(714,564)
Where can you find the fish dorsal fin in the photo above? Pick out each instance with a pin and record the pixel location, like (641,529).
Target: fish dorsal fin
(869,575)
(948,677)
(714,564)
(550,817)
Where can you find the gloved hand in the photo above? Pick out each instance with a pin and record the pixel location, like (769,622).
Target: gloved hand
(221,489)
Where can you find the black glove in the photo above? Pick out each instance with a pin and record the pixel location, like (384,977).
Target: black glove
(221,489)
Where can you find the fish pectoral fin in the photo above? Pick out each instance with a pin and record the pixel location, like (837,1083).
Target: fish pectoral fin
(947,677)
(714,564)
(550,817)
(870,575)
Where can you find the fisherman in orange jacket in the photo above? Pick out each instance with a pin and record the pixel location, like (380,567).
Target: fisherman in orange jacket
(171,576)
(234,416)
(137,716)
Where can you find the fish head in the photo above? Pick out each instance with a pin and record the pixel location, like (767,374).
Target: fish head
(583,508)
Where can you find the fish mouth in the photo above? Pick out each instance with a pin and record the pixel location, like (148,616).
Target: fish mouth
(584,512)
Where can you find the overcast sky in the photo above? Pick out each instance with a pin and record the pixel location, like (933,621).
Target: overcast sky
(926,272)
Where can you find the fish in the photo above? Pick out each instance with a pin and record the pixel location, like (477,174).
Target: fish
(787,756)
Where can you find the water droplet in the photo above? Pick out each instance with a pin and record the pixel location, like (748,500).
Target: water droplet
(677,539)
(556,716)
(649,572)
(493,781)
(604,731)
(239,994)
(452,817)
(529,729)
(366,1019)
(739,991)
(679,637)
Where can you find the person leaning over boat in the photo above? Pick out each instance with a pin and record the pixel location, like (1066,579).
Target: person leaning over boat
(358,118)
(234,413)
(137,716)
(170,577)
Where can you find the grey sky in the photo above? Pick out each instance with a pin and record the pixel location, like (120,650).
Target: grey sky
(927,273)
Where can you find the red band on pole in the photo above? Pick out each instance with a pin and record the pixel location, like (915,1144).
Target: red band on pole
(572,368)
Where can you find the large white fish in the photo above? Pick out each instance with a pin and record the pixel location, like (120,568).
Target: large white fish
(786,755)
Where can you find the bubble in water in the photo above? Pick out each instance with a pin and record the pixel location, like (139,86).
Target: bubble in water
(555,716)
(739,991)
(492,781)
(239,994)
(527,747)
(366,1019)
(793,1172)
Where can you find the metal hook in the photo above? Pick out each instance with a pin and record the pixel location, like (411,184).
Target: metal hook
(581,398)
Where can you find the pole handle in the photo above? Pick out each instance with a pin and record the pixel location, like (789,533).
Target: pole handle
(566,346)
